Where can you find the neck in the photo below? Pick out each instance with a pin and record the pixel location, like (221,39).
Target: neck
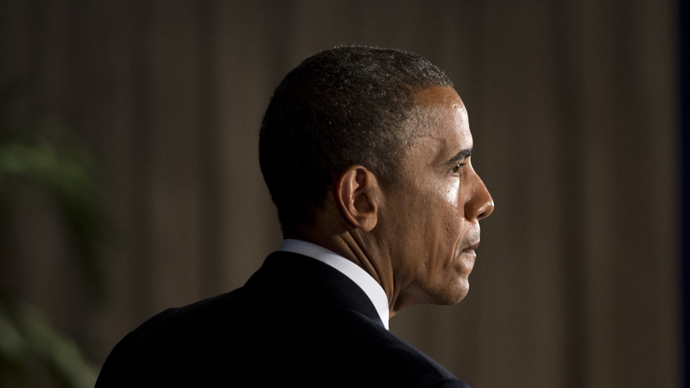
(361,249)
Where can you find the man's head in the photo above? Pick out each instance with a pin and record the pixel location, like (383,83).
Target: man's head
(340,107)
(373,148)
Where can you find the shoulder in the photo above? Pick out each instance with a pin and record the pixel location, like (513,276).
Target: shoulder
(296,335)
(151,353)
(400,364)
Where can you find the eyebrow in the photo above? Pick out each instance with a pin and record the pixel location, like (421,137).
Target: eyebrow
(462,155)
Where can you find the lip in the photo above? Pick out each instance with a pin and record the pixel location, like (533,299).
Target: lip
(471,247)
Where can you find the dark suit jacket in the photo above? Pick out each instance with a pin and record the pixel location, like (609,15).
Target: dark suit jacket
(296,320)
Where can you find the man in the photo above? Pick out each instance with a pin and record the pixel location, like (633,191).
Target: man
(367,155)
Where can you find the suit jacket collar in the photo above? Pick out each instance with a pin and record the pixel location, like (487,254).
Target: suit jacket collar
(287,270)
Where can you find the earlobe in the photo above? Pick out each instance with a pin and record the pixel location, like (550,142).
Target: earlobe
(357,195)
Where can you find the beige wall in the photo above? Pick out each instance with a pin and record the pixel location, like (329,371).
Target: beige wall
(573,109)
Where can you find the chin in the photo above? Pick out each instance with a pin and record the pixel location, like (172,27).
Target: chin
(454,294)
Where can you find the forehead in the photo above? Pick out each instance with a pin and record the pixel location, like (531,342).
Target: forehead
(440,97)
(439,124)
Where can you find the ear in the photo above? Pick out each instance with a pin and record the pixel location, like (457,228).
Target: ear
(357,195)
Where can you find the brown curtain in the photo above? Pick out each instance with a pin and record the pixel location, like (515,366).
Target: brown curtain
(573,106)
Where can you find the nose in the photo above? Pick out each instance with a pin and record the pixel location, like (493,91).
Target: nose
(481,205)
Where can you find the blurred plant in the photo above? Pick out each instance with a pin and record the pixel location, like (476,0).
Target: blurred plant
(53,161)
(29,347)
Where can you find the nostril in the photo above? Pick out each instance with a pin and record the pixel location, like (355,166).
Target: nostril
(486,210)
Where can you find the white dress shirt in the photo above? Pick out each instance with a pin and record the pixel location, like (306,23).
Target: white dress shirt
(358,275)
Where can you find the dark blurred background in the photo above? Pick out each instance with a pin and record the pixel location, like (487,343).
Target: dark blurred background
(131,180)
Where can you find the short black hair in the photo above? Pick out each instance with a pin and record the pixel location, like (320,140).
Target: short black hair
(340,107)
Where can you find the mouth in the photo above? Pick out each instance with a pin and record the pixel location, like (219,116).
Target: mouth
(471,240)
(471,247)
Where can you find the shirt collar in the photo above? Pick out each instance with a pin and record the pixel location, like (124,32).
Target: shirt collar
(358,275)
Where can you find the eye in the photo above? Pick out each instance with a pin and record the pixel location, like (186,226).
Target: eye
(457,170)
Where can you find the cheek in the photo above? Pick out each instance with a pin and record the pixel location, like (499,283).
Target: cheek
(451,192)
